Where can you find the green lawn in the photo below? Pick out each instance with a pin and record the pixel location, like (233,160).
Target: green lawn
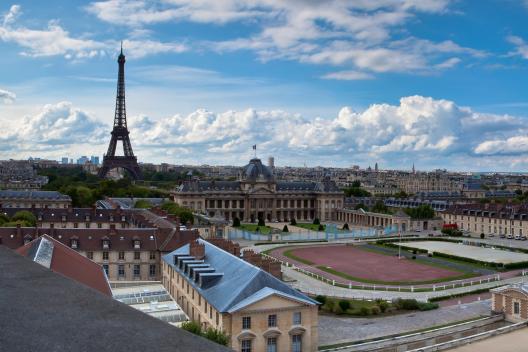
(253,228)
(309,226)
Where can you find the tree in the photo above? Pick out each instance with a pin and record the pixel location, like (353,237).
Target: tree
(361,206)
(216,335)
(356,192)
(25,216)
(192,326)
(293,222)
(380,207)
(236,222)
(401,194)
(421,212)
(321,227)
(316,221)
(261,222)
(285,229)
(3,219)
(344,305)
(143,204)
(356,184)
(321,299)
(184,214)
(345,227)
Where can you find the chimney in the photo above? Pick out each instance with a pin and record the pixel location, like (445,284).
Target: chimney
(197,249)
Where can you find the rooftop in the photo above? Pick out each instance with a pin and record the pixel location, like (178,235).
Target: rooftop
(235,280)
(44,311)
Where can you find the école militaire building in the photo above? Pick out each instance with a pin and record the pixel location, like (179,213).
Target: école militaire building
(258,195)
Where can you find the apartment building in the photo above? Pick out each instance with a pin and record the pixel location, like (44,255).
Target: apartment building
(258,311)
(489,218)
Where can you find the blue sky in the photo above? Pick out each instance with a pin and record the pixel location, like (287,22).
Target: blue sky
(436,82)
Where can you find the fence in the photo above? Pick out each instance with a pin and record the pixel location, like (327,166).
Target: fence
(331,233)
(409,288)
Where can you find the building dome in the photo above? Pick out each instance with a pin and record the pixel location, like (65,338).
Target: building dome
(255,171)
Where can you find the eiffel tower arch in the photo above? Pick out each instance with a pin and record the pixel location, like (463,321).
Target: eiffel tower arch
(120,133)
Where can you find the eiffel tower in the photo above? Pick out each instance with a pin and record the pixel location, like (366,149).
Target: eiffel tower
(120,133)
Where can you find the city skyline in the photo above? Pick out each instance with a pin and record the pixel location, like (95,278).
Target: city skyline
(393,82)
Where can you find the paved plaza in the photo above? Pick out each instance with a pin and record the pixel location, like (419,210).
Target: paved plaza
(477,253)
(334,330)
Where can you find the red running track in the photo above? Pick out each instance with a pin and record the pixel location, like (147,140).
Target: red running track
(371,266)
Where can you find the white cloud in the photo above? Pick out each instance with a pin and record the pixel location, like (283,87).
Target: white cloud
(521,47)
(7,96)
(54,127)
(357,34)
(513,145)
(54,40)
(418,128)
(348,75)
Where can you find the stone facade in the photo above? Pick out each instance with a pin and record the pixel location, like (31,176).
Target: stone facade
(258,195)
(269,316)
(512,301)
(491,218)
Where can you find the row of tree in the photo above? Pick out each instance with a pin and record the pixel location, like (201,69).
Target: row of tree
(23,218)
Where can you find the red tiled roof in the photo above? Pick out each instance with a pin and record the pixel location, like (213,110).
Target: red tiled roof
(69,263)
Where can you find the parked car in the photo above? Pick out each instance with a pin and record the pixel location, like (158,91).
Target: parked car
(517,237)
(502,235)
(523,238)
(510,237)
(491,235)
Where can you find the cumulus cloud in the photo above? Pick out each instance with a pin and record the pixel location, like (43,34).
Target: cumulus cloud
(417,128)
(521,47)
(7,96)
(54,40)
(360,35)
(55,127)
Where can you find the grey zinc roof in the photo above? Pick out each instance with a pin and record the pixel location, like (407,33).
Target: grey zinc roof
(240,281)
(203,186)
(41,195)
(44,311)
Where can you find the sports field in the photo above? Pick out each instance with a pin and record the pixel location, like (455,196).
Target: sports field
(477,253)
(355,264)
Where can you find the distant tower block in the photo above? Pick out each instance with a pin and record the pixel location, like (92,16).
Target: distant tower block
(120,133)
(271,162)
(376,167)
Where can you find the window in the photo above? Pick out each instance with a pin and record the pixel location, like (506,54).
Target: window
(105,255)
(75,225)
(152,270)
(246,346)
(105,268)
(89,255)
(121,270)
(297,318)
(152,255)
(272,320)
(106,244)
(136,270)
(296,343)
(121,255)
(516,308)
(137,244)
(137,255)
(272,344)
(99,225)
(246,323)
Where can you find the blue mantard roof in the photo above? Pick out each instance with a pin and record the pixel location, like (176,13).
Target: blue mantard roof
(241,284)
